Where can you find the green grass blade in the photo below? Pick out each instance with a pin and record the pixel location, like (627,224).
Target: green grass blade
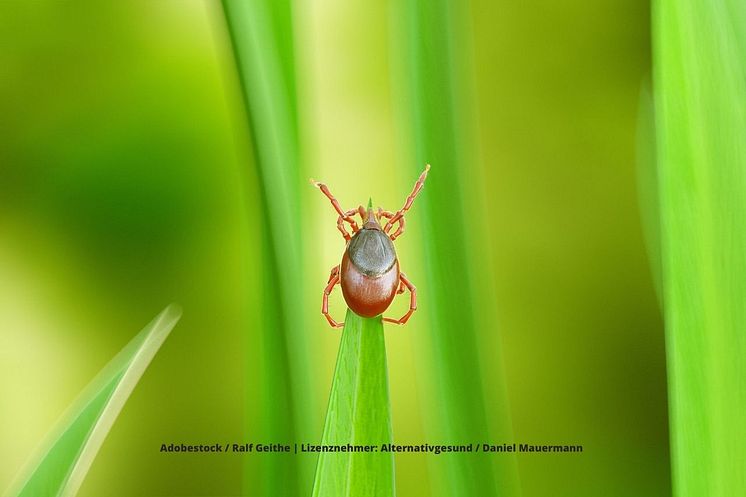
(436,69)
(359,412)
(261,33)
(700,85)
(63,460)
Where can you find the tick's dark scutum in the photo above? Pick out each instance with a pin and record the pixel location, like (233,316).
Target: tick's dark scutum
(372,251)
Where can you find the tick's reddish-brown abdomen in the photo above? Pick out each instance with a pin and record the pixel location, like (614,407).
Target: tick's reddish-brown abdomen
(369,274)
(368,296)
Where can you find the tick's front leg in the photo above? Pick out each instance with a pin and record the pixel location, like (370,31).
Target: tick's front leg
(407,204)
(347,216)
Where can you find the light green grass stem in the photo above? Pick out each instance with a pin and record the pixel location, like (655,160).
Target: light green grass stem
(700,91)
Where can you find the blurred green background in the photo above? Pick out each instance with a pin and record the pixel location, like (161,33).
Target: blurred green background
(127,182)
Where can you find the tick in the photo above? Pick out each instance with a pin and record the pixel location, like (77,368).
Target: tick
(369,273)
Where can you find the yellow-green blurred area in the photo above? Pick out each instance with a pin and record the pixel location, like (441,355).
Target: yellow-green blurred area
(127,182)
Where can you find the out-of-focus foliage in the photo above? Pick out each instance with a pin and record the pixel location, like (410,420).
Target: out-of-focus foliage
(61,467)
(128,180)
(700,77)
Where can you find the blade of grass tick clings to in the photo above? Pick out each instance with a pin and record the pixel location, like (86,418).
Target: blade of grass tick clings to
(261,33)
(700,99)
(430,39)
(63,459)
(359,413)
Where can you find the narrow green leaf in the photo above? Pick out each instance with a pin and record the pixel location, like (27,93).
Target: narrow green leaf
(63,460)
(261,33)
(433,89)
(359,413)
(700,91)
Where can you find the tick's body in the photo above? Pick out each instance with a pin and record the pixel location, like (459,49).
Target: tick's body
(369,272)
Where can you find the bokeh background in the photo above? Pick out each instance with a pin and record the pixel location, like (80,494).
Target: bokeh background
(127,181)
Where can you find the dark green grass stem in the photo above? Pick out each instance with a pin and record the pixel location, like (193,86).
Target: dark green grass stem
(700,92)
(261,32)
(359,413)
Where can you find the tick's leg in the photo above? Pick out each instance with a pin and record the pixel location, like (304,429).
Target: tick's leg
(341,224)
(334,272)
(344,215)
(350,214)
(417,187)
(412,301)
(341,228)
(388,215)
(399,229)
(333,280)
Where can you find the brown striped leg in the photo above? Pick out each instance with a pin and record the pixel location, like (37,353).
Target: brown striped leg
(412,302)
(347,216)
(333,280)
